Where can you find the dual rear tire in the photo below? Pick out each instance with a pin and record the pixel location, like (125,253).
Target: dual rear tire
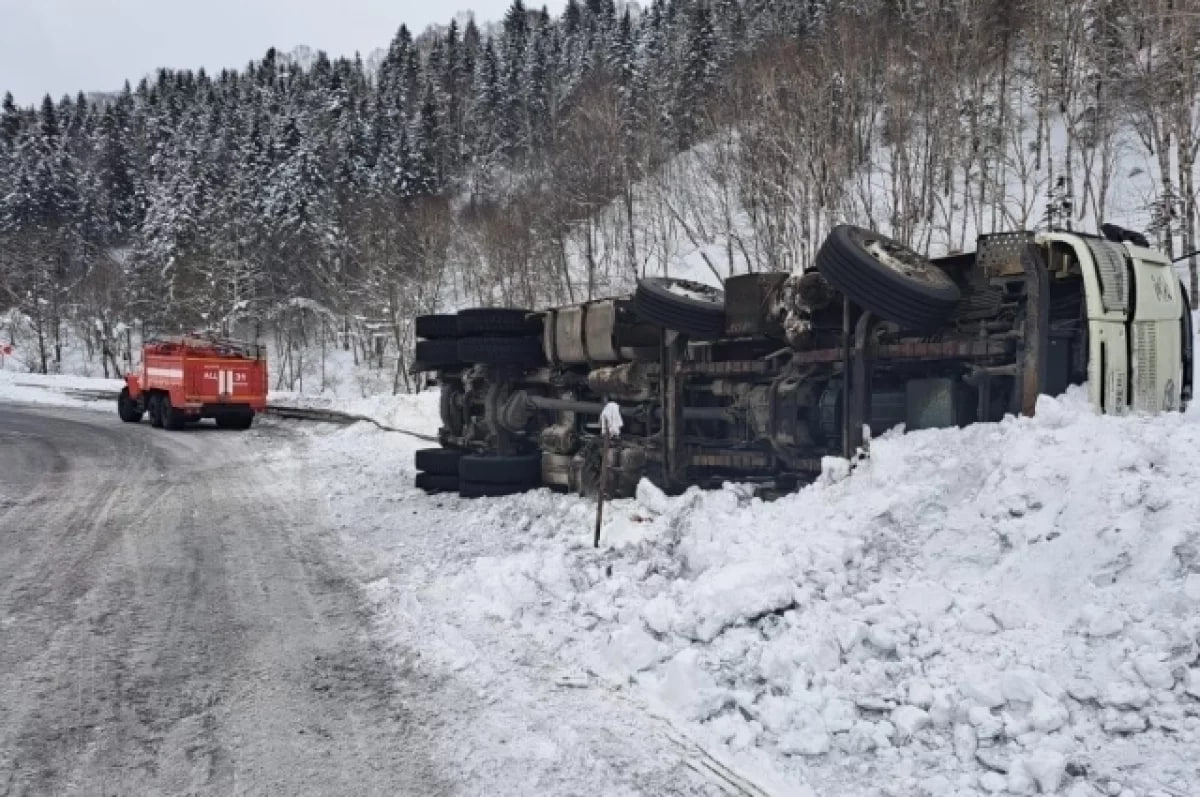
(481,335)
(162,414)
(438,470)
(154,410)
(173,419)
(492,475)
(475,475)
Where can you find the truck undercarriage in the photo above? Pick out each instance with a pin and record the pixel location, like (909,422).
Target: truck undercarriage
(760,382)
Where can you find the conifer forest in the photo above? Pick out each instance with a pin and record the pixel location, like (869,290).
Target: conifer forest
(319,199)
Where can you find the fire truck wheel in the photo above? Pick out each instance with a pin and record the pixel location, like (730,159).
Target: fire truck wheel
(504,321)
(437,327)
(440,461)
(436,482)
(524,470)
(692,308)
(127,408)
(155,407)
(525,352)
(485,490)
(887,278)
(172,419)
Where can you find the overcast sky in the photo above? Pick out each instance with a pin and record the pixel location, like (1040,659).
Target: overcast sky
(64,46)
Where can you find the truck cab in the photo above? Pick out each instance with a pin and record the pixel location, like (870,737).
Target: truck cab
(1139,324)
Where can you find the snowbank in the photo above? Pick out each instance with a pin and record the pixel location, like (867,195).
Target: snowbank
(416,412)
(54,389)
(1007,608)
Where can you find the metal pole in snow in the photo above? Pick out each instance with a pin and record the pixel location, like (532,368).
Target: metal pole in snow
(603,489)
(610,427)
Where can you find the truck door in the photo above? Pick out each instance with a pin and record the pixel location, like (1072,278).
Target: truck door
(1156,335)
(1108,325)
(1135,353)
(207,376)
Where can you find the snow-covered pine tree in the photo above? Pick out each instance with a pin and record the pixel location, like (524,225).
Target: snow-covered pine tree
(696,77)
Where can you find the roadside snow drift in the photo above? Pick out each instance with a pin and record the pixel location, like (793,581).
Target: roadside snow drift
(1007,608)
(56,389)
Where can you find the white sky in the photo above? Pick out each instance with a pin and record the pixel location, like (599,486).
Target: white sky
(64,46)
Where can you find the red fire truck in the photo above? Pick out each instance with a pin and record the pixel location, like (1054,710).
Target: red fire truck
(184,379)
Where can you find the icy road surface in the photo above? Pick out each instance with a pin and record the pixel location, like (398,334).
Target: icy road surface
(173,621)
(176,618)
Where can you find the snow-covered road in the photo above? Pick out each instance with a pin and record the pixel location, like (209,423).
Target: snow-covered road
(1011,608)
(175,619)
(177,615)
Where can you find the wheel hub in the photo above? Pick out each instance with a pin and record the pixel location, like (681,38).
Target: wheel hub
(896,259)
(694,290)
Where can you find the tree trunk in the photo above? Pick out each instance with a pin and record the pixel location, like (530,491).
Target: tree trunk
(591,259)
(1187,189)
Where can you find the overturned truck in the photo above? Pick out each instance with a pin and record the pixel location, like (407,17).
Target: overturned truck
(759,382)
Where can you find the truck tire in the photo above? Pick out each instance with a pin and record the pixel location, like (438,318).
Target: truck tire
(172,419)
(129,410)
(525,352)
(524,469)
(498,321)
(433,355)
(436,482)
(438,461)
(485,490)
(154,404)
(437,327)
(887,278)
(691,308)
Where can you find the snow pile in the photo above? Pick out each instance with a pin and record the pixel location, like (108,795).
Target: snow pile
(1007,608)
(55,389)
(416,412)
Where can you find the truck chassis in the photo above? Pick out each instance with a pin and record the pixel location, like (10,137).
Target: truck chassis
(760,382)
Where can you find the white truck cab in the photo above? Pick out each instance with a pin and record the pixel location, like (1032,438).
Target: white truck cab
(1138,323)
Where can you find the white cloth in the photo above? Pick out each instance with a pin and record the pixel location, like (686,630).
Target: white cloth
(610,420)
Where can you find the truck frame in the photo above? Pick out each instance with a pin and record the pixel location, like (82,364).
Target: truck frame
(187,378)
(759,382)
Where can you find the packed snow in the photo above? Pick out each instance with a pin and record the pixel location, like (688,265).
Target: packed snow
(1010,608)
(55,389)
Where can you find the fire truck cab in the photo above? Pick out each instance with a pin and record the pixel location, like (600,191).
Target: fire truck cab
(184,379)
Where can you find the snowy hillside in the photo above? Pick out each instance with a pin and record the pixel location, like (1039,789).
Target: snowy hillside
(690,219)
(1008,608)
